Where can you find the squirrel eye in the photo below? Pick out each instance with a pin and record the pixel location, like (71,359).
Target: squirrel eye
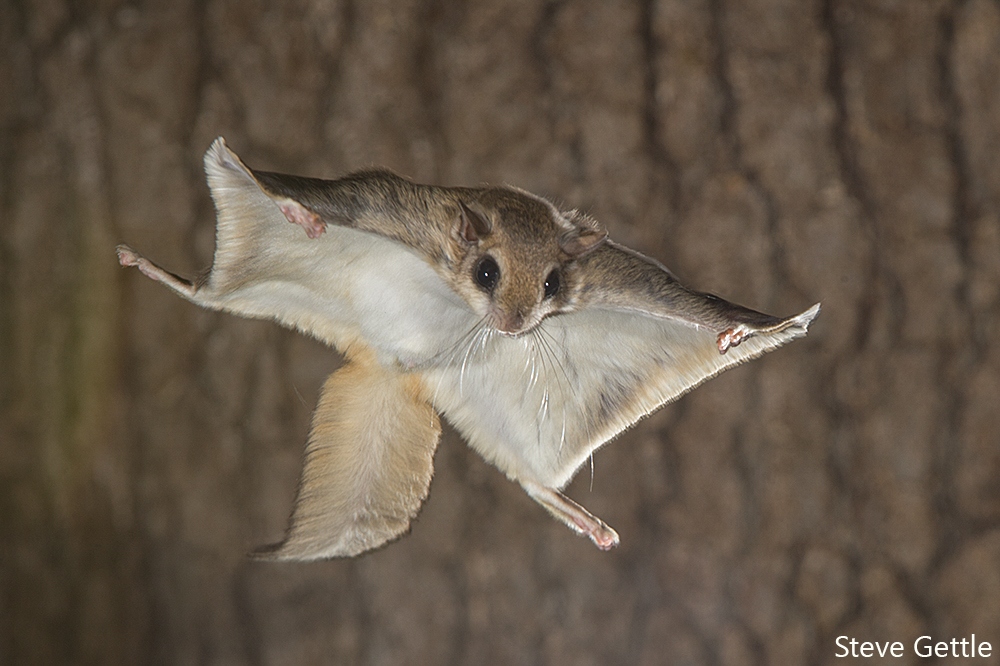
(487,273)
(552,284)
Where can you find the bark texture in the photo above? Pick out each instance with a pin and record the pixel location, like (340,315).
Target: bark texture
(777,152)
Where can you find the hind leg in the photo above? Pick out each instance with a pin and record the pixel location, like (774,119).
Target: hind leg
(573,515)
(129,257)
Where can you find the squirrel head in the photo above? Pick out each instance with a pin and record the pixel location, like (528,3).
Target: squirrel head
(518,256)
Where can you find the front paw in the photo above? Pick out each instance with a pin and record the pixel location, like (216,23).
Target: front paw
(732,337)
(298,214)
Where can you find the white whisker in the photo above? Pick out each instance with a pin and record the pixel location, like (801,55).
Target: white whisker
(591,471)
(465,359)
(549,345)
(454,350)
(535,371)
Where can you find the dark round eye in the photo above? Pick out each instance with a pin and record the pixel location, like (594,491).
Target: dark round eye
(552,284)
(487,273)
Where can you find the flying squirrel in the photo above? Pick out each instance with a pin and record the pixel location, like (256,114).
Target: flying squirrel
(537,337)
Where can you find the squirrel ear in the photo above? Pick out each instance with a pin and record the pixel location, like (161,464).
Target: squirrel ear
(580,242)
(471,225)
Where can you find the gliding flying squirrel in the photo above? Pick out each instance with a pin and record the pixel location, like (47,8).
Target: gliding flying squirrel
(533,334)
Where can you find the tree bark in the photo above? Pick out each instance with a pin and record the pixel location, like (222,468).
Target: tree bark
(776,152)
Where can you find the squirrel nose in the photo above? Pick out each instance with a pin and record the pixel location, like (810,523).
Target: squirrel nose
(512,322)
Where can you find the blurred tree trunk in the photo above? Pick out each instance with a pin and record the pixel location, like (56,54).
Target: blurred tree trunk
(777,152)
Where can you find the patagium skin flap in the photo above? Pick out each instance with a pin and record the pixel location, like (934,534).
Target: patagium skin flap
(537,337)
